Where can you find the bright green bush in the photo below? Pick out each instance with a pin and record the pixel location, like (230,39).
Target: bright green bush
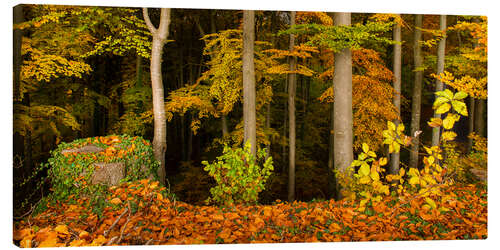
(239,176)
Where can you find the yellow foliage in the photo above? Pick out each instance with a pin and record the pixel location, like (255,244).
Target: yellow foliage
(371,98)
(304,17)
(472,86)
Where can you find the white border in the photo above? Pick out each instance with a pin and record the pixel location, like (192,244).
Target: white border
(462,7)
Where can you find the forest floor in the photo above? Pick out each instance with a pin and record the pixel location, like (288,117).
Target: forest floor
(141,213)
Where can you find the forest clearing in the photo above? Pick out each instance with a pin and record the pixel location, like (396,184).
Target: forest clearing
(158,126)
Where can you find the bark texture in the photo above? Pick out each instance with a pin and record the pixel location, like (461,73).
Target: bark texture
(160,35)
(342,107)
(292,86)
(416,102)
(394,168)
(440,69)
(249,116)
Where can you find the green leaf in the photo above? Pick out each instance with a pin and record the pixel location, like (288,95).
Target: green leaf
(443,108)
(460,107)
(439,101)
(446,93)
(372,154)
(356,163)
(459,95)
(364,170)
(362,156)
(365,147)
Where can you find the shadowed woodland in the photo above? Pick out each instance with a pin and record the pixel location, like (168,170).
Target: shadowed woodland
(136,126)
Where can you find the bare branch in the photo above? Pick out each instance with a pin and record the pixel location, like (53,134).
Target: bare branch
(114,223)
(198,24)
(150,25)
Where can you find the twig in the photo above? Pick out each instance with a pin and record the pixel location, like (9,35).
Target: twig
(124,225)
(115,222)
(415,197)
(29,212)
(111,241)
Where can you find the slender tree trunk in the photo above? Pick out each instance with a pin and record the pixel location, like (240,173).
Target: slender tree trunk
(394,168)
(249,113)
(332,182)
(342,107)
(479,124)
(470,121)
(225,131)
(440,69)
(138,70)
(292,85)
(160,125)
(305,107)
(268,126)
(417,91)
(285,121)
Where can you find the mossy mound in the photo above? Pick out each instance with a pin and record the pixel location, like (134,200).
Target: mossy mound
(87,165)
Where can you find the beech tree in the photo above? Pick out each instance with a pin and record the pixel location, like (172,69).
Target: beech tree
(440,70)
(292,85)
(394,168)
(417,91)
(342,106)
(249,116)
(160,35)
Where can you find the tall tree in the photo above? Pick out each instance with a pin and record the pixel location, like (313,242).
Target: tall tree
(417,90)
(160,35)
(479,124)
(292,85)
(249,113)
(440,70)
(394,168)
(342,106)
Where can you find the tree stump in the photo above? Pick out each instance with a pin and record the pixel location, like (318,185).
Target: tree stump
(104,173)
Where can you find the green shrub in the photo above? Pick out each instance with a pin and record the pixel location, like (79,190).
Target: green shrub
(239,177)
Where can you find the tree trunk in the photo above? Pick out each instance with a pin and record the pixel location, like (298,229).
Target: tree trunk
(479,124)
(225,131)
(160,130)
(342,106)
(332,182)
(470,121)
(440,69)
(268,126)
(417,91)
(292,85)
(394,168)
(138,70)
(249,113)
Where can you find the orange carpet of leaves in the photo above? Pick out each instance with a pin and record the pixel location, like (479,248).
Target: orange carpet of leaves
(159,220)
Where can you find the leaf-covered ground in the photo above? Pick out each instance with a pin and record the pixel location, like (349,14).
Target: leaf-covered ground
(139,213)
